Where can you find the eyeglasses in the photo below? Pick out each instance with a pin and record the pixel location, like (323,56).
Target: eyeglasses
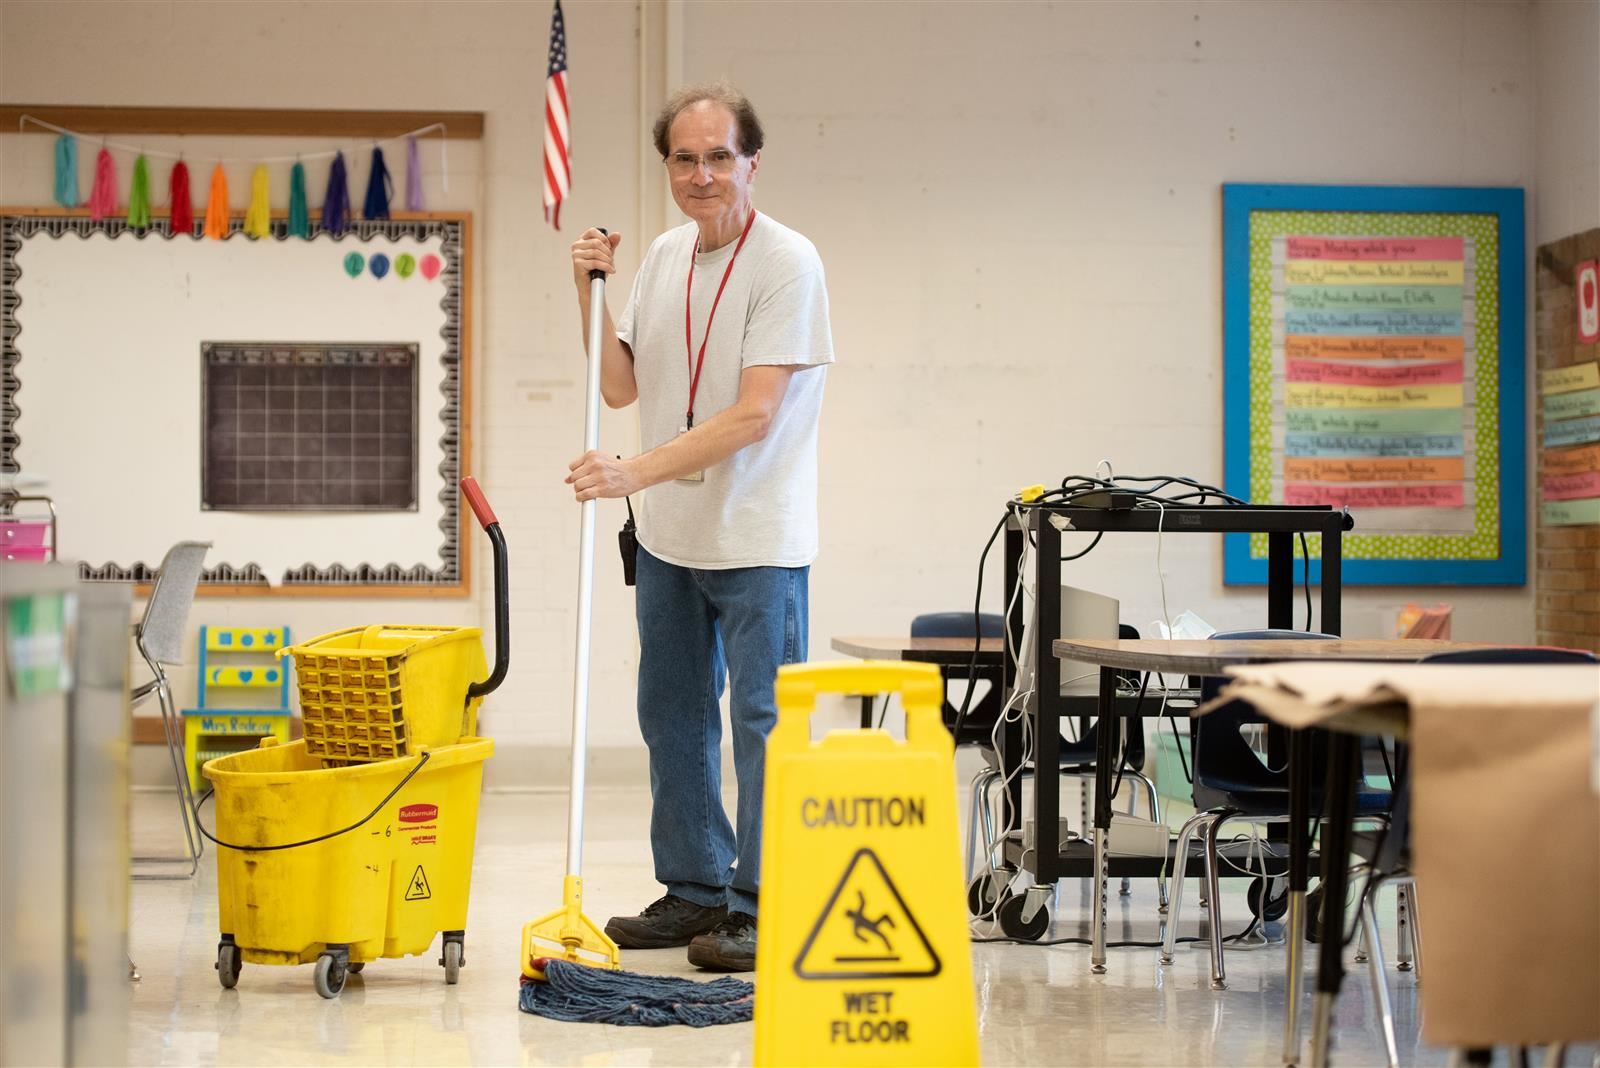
(718,161)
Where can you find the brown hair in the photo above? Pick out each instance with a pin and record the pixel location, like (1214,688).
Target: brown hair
(751,137)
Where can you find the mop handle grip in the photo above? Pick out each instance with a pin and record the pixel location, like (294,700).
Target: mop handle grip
(596,275)
(479,503)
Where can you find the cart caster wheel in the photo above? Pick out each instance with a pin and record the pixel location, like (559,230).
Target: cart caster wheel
(330,975)
(1276,899)
(228,964)
(984,892)
(1013,924)
(355,968)
(452,963)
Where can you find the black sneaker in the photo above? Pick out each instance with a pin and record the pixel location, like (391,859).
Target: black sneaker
(730,946)
(667,922)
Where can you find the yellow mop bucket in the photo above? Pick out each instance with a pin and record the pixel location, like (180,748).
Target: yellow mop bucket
(341,858)
(384,888)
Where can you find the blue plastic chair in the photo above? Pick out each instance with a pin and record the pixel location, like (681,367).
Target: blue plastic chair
(1232,782)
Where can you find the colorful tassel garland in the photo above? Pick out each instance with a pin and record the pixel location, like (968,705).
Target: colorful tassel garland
(379,188)
(299,220)
(217,205)
(67,171)
(258,217)
(103,197)
(413,176)
(182,205)
(336,205)
(139,195)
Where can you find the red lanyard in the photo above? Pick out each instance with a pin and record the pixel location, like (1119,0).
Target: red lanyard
(695,364)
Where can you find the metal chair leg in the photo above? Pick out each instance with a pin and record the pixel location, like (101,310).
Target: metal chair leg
(1416,927)
(975,806)
(1373,944)
(1179,869)
(1219,977)
(172,730)
(1555,1055)
(1155,817)
(1402,922)
(1126,888)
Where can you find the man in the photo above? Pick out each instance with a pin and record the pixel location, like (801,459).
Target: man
(728,505)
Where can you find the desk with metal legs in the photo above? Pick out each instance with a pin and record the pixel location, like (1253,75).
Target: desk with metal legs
(1211,658)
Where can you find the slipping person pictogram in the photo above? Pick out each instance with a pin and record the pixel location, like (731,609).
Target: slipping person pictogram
(860,925)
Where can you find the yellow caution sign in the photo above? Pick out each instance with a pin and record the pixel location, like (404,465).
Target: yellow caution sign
(864,955)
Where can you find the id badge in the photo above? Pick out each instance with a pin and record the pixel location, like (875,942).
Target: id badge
(693,476)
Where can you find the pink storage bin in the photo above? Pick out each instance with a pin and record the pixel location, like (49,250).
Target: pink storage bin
(21,534)
(26,552)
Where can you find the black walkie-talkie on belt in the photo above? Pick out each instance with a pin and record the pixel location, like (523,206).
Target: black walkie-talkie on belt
(628,542)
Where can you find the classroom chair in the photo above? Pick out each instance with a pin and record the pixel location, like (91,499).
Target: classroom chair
(159,638)
(1231,782)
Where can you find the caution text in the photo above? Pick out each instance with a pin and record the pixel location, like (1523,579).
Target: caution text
(863,811)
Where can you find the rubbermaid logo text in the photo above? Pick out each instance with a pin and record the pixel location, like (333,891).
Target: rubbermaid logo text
(419,813)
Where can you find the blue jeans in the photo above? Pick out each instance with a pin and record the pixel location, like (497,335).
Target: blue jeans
(696,628)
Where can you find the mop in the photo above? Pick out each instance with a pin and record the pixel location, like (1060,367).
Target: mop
(569,965)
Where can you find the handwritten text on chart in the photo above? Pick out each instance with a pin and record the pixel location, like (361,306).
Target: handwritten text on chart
(1375,248)
(1407,469)
(1404,298)
(1408,273)
(1377,323)
(1311,395)
(1423,495)
(1310,347)
(1303,444)
(1375,374)
(1359,421)
(1571,405)
(1567,379)
(1570,461)
(1571,487)
(1572,431)
(1571,513)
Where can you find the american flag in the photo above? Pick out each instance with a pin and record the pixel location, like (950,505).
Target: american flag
(557,146)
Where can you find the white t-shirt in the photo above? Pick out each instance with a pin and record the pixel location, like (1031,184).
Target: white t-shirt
(757,508)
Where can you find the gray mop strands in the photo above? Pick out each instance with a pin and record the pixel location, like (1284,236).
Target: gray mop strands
(580,994)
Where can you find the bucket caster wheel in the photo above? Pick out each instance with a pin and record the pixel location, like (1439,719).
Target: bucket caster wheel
(454,956)
(355,968)
(228,963)
(330,975)
(984,892)
(1025,916)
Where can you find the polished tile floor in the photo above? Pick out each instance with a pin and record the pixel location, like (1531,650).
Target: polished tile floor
(1037,1005)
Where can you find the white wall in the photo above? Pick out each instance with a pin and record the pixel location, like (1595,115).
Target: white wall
(1017,204)
(1567,42)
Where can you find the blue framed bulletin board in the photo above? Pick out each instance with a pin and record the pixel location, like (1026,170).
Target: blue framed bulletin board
(1373,344)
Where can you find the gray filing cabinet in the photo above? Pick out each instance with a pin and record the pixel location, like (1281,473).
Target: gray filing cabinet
(64,649)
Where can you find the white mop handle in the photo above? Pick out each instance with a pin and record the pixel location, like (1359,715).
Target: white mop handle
(580,667)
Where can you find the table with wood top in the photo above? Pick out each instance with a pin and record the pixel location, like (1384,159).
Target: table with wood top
(949,654)
(1214,657)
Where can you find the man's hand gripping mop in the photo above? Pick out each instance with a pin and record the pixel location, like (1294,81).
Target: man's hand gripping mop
(569,966)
